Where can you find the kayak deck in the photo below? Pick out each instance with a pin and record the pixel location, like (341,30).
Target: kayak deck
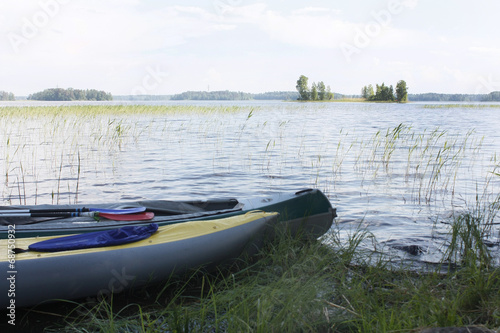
(93,272)
(301,207)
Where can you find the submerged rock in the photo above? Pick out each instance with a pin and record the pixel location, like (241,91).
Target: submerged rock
(414,250)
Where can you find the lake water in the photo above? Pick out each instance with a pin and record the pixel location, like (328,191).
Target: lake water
(399,170)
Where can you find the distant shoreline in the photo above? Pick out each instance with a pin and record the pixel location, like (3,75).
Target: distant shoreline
(292,96)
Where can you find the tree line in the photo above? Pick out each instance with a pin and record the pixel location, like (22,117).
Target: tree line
(213,95)
(436,97)
(318,91)
(492,97)
(7,96)
(234,95)
(277,95)
(70,94)
(383,93)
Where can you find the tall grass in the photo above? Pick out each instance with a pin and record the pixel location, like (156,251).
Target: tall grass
(49,151)
(473,232)
(295,287)
(422,166)
(292,286)
(333,286)
(434,161)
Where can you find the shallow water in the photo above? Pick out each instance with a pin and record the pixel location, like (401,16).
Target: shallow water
(400,170)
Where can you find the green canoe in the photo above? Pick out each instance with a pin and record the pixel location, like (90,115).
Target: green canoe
(308,211)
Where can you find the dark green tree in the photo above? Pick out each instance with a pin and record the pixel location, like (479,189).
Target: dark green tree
(302,88)
(212,95)
(378,92)
(329,94)
(314,92)
(59,94)
(367,92)
(493,96)
(321,91)
(383,93)
(370,91)
(390,94)
(6,96)
(401,92)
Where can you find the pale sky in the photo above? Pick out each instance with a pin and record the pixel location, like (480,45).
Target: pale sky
(166,47)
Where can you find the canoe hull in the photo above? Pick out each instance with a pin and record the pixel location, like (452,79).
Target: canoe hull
(94,273)
(97,273)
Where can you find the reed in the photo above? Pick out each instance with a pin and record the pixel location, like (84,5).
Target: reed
(337,285)
(296,287)
(473,232)
(62,145)
(432,160)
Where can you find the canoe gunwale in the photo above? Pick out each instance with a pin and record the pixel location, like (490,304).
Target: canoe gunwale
(82,223)
(303,203)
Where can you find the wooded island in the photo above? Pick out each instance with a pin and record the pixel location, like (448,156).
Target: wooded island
(383,93)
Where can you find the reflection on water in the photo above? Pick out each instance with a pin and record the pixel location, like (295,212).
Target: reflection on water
(400,170)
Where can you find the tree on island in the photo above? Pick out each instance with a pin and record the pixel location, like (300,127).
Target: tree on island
(302,88)
(329,94)
(319,91)
(401,92)
(276,95)
(385,93)
(367,92)
(70,94)
(493,96)
(314,92)
(6,96)
(213,95)
(438,97)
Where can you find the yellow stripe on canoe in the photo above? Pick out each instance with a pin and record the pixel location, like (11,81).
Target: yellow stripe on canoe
(165,234)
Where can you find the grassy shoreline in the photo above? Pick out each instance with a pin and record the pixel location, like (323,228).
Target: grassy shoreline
(335,286)
(313,287)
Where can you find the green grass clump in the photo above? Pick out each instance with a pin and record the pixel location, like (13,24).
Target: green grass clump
(297,287)
(335,286)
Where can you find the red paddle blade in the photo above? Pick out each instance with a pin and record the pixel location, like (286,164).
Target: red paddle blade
(128,217)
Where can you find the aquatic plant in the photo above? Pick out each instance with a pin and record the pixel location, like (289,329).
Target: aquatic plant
(339,284)
(296,287)
(63,146)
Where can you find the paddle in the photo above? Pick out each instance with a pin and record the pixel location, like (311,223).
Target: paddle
(110,216)
(75,210)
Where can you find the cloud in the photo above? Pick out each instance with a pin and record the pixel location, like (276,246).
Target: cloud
(488,51)
(107,27)
(411,4)
(314,10)
(112,43)
(310,26)
(323,27)
(213,76)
